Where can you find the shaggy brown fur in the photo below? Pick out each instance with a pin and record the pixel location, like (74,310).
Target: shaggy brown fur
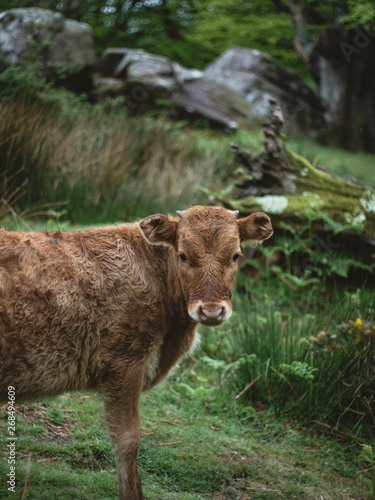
(114,309)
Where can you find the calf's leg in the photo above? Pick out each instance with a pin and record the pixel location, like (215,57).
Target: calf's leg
(122,411)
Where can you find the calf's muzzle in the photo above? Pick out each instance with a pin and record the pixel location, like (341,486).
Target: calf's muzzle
(211,313)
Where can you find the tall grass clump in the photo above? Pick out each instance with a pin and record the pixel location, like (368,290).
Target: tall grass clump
(102,166)
(26,144)
(310,355)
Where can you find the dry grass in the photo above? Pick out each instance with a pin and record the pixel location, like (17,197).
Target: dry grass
(104,166)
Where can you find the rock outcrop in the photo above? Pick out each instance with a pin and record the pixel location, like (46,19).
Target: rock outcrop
(232,91)
(65,46)
(260,78)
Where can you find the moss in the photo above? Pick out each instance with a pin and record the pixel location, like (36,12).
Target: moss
(342,209)
(343,201)
(316,180)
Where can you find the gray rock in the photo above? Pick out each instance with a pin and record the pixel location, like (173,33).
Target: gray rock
(108,86)
(189,74)
(260,78)
(65,44)
(106,65)
(120,62)
(214,101)
(157,74)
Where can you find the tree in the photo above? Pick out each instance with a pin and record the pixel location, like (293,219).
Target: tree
(336,40)
(218,25)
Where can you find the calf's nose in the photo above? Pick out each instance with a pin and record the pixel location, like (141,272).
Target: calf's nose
(212,314)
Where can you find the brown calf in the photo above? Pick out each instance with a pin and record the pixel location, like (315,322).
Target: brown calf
(114,309)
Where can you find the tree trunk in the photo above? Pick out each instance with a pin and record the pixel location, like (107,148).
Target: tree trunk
(343,65)
(292,191)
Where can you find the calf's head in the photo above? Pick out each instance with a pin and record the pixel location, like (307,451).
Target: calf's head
(206,243)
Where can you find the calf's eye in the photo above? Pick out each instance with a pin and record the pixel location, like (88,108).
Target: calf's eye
(236,256)
(182,256)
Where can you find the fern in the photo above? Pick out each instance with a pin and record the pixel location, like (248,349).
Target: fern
(217,196)
(337,227)
(338,264)
(299,369)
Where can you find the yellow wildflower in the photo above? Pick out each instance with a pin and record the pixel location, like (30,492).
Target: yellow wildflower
(357,339)
(358,322)
(350,332)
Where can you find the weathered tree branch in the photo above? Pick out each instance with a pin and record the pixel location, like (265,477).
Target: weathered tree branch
(286,186)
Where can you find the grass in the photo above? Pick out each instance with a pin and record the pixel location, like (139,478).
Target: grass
(101,166)
(295,350)
(338,161)
(195,444)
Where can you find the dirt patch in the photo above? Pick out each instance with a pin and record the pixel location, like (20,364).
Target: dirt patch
(56,432)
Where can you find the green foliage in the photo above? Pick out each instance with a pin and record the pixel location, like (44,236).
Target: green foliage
(359,13)
(27,77)
(350,14)
(192,33)
(368,455)
(309,262)
(196,33)
(299,369)
(328,376)
(219,25)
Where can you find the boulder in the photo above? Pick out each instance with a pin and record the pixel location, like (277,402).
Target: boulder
(260,79)
(157,74)
(214,101)
(65,46)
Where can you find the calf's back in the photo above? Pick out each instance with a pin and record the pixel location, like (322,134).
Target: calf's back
(72,302)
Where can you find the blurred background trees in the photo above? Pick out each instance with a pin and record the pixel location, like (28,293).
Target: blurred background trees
(330,44)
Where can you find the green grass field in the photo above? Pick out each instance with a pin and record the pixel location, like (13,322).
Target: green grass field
(197,442)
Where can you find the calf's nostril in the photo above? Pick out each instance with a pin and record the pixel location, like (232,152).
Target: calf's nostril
(201,313)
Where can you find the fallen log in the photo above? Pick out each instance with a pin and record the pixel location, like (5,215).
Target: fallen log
(290,189)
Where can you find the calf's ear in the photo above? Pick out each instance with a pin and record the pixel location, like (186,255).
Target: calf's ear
(255,227)
(159,229)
